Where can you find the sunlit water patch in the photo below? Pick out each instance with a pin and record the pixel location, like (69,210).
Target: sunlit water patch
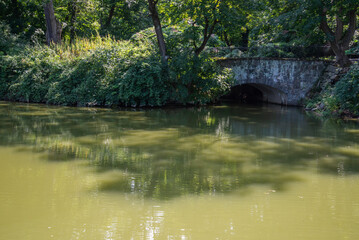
(223,172)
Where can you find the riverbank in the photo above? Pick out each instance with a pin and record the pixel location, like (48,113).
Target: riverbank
(336,93)
(104,72)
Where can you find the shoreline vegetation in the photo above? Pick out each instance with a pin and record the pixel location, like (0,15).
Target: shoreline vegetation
(336,96)
(103,72)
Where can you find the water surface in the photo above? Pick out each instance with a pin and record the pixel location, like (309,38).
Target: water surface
(219,172)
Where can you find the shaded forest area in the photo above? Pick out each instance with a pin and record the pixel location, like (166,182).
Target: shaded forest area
(160,52)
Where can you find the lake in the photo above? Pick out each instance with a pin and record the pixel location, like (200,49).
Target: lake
(218,172)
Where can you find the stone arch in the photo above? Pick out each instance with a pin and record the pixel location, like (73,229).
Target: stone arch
(282,81)
(271,94)
(259,92)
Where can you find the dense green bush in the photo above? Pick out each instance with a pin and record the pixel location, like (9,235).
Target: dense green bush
(105,72)
(197,78)
(271,50)
(347,91)
(339,99)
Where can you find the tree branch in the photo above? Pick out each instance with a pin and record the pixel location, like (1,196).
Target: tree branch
(324,25)
(158,29)
(226,38)
(205,27)
(110,15)
(206,36)
(339,26)
(351,29)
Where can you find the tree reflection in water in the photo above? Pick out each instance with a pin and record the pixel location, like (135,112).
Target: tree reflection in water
(168,153)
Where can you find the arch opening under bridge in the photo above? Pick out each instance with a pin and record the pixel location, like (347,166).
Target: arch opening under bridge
(254,93)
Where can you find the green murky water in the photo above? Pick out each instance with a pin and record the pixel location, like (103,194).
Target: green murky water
(221,172)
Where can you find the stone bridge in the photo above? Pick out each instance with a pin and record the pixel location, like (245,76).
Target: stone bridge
(281,81)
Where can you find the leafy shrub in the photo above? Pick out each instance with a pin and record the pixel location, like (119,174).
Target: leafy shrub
(347,91)
(236,53)
(198,79)
(105,72)
(341,99)
(271,50)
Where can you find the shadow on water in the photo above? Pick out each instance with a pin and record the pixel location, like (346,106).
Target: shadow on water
(167,153)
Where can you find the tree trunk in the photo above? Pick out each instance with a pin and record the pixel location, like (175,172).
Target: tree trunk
(340,57)
(110,15)
(225,36)
(339,42)
(53,26)
(158,29)
(206,36)
(72,8)
(245,39)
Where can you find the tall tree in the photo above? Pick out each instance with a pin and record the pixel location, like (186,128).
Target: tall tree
(110,14)
(152,6)
(344,14)
(53,26)
(337,19)
(212,16)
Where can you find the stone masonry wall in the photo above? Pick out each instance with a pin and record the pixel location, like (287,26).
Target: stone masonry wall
(283,81)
